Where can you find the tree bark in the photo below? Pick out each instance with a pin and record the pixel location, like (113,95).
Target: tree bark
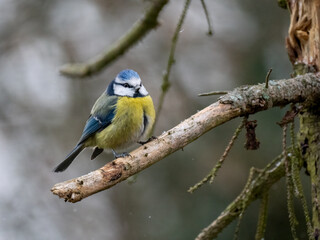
(303,41)
(303,45)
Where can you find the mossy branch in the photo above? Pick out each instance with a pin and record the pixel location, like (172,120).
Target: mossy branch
(309,139)
(136,33)
(242,101)
(244,201)
(289,184)
(254,189)
(262,219)
(298,189)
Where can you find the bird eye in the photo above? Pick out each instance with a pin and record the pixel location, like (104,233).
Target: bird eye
(126,85)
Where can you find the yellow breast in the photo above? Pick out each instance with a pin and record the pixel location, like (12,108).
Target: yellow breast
(133,120)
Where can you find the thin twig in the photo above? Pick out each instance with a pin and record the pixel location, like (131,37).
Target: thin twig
(294,178)
(267,77)
(210,177)
(292,134)
(262,220)
(136,33)
(237,230)
(210,31)
(297,184)
(245,200)
(292,217)
(165,81)
(213,93)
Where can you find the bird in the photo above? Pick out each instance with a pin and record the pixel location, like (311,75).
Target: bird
(123,115)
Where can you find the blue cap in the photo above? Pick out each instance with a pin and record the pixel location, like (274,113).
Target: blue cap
(127,74)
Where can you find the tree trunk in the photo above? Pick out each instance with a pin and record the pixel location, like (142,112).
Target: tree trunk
(303,45)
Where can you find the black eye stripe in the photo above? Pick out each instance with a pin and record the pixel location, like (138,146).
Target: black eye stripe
(126,85)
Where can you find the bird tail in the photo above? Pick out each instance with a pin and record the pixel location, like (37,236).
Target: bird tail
(71,156)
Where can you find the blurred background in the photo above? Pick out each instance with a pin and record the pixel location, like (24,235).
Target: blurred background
(43,113)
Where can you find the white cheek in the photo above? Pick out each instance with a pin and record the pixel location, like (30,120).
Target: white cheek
(122,91)
(143,91)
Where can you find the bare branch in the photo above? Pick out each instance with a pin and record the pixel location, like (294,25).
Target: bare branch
(137,32)
(212,93)
(210,31)
(267,77)
(241,101)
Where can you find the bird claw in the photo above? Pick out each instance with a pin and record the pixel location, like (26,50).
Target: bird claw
(149,140)
(120,155)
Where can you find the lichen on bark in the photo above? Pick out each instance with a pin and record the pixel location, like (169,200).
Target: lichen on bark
(309,139)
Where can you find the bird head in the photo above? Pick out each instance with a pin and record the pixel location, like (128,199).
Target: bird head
(127,83)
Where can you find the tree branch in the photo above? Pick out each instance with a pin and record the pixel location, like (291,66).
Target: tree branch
(241,101)
(204,6)
(136,33)
(255,187)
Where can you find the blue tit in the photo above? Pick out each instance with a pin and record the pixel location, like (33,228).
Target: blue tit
(123,115)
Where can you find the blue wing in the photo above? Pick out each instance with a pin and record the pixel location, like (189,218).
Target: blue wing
(101,117)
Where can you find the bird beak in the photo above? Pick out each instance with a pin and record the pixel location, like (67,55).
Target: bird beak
(138,88)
